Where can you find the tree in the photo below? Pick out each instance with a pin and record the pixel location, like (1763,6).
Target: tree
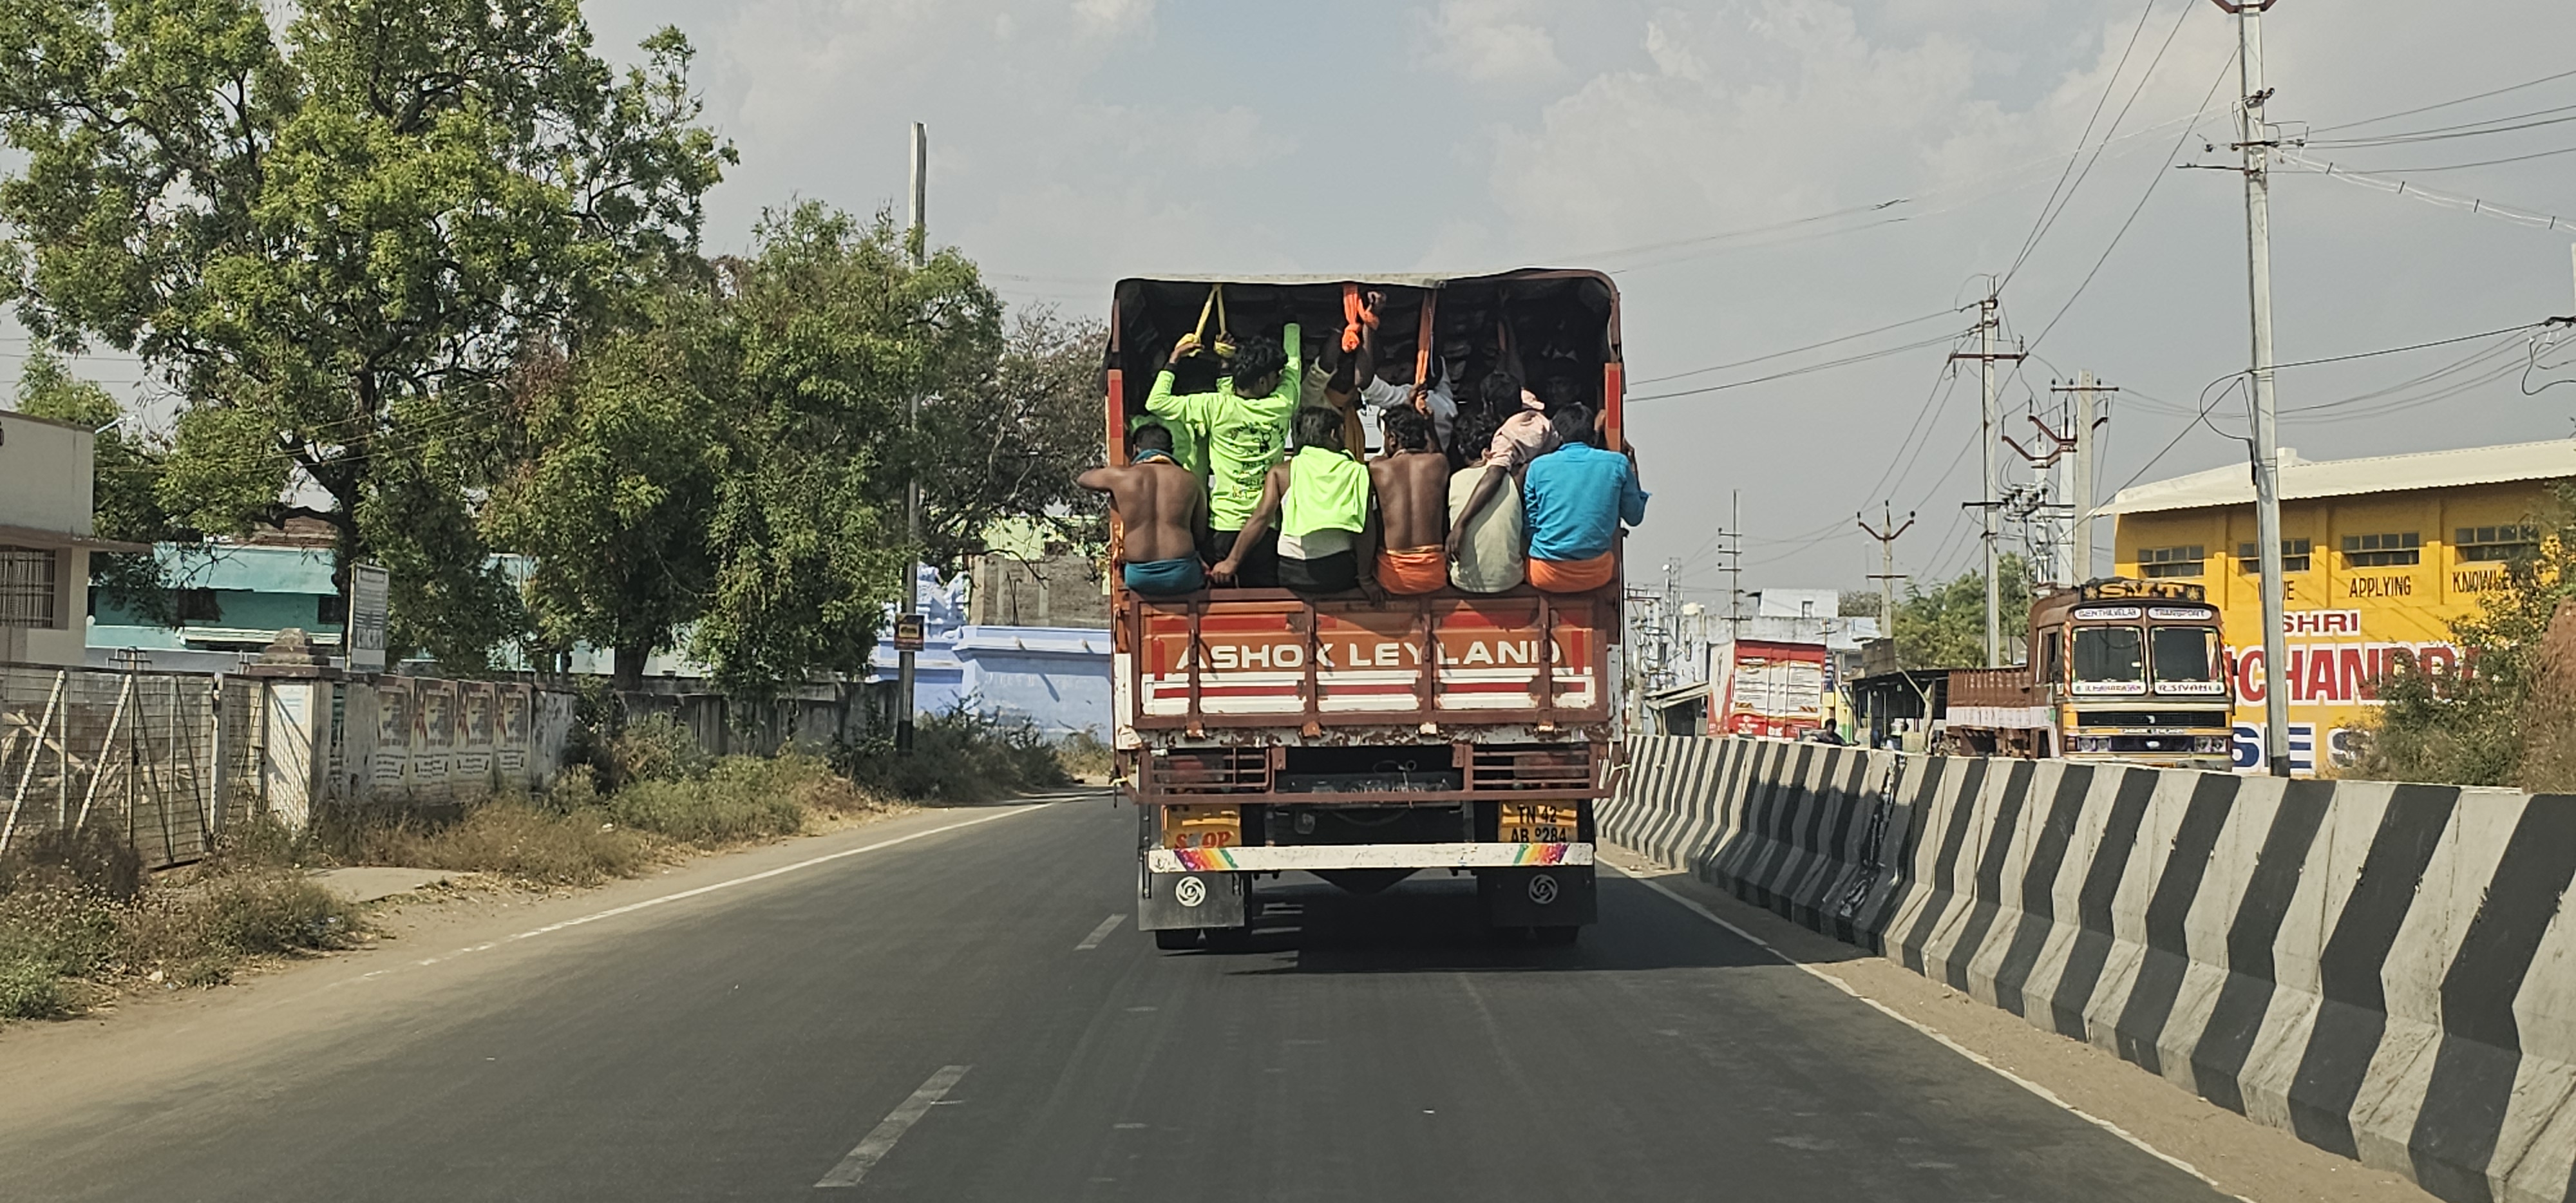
(2504,715)
(337,238)
(1010,444)
(614,497)
(125,503)
(829,331)
(1945,627)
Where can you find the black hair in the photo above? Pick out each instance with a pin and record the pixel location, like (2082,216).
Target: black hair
(1407,430)
(1502,394)
(1572,424)
(1318,426)
(1258,356)
(1471,435)
(1151,436)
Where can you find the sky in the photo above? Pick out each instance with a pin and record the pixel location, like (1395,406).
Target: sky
(1760,176)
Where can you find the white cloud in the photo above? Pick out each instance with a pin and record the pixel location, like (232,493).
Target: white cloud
(1490,40)
(1111,15)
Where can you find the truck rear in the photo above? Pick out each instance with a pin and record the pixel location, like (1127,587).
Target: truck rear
(1261,733)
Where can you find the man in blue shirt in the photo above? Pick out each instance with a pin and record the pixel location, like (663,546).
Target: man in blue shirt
(1575,499)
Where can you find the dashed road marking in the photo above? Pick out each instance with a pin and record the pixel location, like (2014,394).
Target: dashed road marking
(1100,933)
(880,1139)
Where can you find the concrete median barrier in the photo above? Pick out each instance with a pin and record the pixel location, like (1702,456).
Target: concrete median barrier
(2384,969)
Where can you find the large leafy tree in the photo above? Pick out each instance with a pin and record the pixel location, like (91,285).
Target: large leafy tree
(625,445)
(1009,443)
(831,333)
(337,237)
(1945,626)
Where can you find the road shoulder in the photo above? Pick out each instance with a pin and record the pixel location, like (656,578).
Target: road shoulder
(2246,1158)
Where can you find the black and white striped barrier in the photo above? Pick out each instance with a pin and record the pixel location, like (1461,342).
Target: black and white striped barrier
(2383,969)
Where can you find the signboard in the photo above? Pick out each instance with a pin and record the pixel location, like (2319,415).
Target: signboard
(366,640)
(908,631)
(2124,589)
(1774,689)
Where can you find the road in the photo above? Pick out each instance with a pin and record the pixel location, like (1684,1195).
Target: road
(754,1040)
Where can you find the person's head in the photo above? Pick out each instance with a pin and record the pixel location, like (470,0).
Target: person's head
(1407,430)
(1472,435)
(1572,424)
(1501,393)
(1318,426)
(1258,363)
(1152,436)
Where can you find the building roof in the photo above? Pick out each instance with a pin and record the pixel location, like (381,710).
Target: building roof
(2300,478)
(235,566)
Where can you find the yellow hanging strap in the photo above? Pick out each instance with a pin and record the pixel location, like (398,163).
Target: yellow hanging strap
(1198,337)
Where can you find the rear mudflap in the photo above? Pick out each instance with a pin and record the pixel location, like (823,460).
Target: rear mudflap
(1170,901)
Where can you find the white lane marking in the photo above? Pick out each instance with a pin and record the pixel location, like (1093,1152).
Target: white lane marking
(880,1139)
(1980,1059)
(1100,933)
(744,880)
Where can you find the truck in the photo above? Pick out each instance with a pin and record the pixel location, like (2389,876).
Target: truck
(1768,687)
(1260,733)
(2119,671)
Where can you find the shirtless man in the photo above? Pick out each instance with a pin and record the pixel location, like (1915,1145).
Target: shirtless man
(1162,511)
(1411,483)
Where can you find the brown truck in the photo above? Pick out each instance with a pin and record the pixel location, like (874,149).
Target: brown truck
(2119,670)
(1261,733)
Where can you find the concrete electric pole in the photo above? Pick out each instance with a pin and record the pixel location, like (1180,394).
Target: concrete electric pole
(2254,139)
(2086,455)
(1989,501)
(1886,576)
(917,237)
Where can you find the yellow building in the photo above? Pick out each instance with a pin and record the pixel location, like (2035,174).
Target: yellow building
(2380,554)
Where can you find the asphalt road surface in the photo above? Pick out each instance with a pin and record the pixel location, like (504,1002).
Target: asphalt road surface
(949,1020)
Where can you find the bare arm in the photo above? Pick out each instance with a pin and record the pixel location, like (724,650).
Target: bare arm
(1366,547)
(1492,483)
(1096,480)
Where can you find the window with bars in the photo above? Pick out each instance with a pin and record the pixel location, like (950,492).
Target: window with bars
(198,605)
(28,584)
(2383,551)
(2495,544)
(2171,561)
(2296,555)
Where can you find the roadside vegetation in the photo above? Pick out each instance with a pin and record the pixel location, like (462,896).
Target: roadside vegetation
(80,920)
(2506,715)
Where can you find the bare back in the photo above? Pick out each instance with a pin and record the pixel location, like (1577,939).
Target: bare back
(1158,502)
(1413,496)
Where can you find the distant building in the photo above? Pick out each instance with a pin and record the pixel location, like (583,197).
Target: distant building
(46,480)
(2380,555)
(229,597)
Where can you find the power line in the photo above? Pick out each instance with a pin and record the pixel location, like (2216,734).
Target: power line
(2444,133)
(2047,216)
(1828,365)
(2134,211)
(1912,321)
(2563,150)
(2529,83)
(2408,188)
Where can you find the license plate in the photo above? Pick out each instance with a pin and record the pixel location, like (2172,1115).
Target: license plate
(1202,827)
(1540,823)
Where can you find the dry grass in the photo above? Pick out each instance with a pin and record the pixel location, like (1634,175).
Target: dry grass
(63,948)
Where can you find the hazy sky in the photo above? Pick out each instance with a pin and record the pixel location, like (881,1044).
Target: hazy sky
(1076,142)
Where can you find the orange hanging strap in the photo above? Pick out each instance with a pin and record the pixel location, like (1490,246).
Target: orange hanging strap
(1356,317)
(1423,340)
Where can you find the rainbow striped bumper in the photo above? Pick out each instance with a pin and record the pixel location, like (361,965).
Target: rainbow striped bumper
(1306,857)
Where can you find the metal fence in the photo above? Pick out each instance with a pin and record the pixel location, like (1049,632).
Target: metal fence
(162,760)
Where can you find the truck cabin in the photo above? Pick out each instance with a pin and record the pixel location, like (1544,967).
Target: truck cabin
(2128,639)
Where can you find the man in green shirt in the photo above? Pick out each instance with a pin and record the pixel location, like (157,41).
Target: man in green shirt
(1233,436)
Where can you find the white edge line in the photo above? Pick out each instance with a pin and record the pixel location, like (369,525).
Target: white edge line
(746,879)
(1980,1059)
(1101,932)
(879,1141)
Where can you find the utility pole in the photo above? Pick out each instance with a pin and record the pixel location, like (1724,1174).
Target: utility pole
(1886,576)
(1989,322)
(2254,139)
(2088,418)
(917,238)
(1735,565)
